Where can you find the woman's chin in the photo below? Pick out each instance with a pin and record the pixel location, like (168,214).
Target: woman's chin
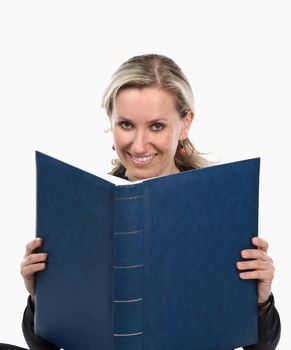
(140,174)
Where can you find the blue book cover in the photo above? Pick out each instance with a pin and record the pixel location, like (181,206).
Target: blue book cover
(148,265)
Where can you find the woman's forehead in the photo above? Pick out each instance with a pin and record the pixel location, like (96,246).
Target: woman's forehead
(153,101)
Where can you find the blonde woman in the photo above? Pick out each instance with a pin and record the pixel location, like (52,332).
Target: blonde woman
(150,105)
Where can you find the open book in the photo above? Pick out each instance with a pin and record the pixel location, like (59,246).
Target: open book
(147,265)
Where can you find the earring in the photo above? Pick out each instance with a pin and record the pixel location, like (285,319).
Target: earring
(182,149)
(113,147)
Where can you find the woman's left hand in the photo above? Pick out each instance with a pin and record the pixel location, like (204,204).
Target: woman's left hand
(260,267)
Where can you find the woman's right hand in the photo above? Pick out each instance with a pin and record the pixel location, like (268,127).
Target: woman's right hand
(31,263)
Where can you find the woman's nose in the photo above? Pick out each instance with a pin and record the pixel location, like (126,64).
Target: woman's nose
(140,143)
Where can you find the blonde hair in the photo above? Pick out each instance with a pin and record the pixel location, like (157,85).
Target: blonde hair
(159,71)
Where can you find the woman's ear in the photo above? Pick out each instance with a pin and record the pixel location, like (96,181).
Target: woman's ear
(187,121)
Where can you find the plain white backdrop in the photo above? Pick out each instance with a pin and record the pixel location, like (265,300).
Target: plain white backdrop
(55,61)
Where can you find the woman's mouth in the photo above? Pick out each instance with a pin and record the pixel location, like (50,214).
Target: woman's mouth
(142,160)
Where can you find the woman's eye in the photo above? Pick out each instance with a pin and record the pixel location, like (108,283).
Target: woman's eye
(157,126)
(125,125)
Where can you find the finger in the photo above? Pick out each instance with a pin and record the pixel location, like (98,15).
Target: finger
(260,243)
(254,265)
(262,275)
(255,254)
(34,258)
(28,271)
(31,246)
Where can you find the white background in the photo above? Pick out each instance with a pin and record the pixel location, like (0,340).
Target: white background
(56,59)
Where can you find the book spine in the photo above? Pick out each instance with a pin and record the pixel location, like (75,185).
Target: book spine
(128,267)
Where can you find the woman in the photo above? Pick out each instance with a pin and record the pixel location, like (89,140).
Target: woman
(149,102)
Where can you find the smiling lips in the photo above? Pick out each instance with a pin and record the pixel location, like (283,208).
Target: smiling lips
(142,160)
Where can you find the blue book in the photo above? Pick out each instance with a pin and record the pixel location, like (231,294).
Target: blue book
(148,265)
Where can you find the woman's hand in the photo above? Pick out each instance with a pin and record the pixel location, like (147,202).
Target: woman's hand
(261,267)
(32,262)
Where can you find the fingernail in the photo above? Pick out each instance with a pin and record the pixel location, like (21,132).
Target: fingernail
(244,254)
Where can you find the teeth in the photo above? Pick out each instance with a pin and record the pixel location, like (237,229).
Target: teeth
(143,159)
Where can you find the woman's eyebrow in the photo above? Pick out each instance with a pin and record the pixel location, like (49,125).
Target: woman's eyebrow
(155,120)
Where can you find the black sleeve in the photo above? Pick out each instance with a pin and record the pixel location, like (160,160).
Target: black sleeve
(269,329)
(34,342)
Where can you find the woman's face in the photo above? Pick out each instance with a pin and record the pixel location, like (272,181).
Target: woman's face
(146,129)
